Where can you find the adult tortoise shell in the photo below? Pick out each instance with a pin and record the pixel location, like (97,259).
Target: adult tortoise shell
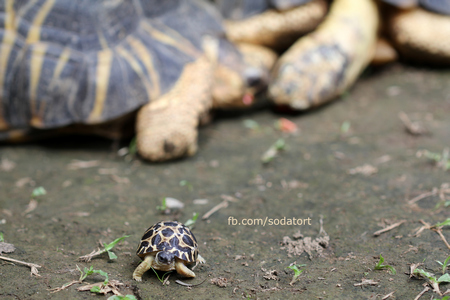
(167,246)
(89,62)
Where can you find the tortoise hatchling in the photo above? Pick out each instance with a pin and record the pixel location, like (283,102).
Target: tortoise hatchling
(167,246)
(68,64)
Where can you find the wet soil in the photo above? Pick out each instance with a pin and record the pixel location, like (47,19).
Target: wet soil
(309,179)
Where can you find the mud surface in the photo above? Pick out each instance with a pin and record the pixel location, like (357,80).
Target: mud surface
(309,179)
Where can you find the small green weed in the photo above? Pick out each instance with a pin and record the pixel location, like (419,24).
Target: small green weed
(90,271)
(251,124)
(445,223)
(132,147)
(39,191)
(106,248)
(345,127)
(187,184)
(160,278)
(445,264)
(191,222)
(163,206)
(127,297)
(273,151)
(442,160)
(297,272)
(380,266)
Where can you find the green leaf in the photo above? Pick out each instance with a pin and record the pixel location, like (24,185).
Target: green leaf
(427,275)
(445,264)
(445,223)
(91,271)
(112,255)
(380,266)
(39,191)
(188,184)
(163,205)
(280,144)
(345,127)
(103,274)
(444,278)
(162,278)
(111,245)
(127,297)
(273,151)
(191,222)
(433,156)
(251,124)
(1,237)
(132,148)
(296,269)
(95,289)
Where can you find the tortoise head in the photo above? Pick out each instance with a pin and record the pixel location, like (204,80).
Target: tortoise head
(240,72)
(164,258)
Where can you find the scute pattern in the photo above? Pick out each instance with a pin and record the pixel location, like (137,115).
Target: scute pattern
(170,236)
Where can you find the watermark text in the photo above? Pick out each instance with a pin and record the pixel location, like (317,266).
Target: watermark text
(269,221)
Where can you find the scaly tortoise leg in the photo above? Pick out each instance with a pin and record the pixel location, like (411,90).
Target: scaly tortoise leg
(325,63)
(167,128)
(421,35)
(183,270)
(277,29)
(143,267)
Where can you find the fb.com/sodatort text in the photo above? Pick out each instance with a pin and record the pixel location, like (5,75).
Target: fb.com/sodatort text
(269,221)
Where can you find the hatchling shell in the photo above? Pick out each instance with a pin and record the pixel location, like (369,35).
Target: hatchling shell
(170,236)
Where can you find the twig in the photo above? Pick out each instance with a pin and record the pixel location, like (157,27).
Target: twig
(65,286)
(88,257)
(388,295)
(366,282)
(188,284)
(426,289)
(424,195)
(166,280)
(414,128)
(34,270)
(222,204)
(377,233)
(439,231)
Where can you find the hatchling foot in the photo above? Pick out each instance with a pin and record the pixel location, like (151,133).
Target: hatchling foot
(143,267)
(200,259)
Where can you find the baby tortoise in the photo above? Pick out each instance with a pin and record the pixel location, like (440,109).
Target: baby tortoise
(167,246)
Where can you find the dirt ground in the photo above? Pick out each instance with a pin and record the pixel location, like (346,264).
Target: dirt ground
(351,164)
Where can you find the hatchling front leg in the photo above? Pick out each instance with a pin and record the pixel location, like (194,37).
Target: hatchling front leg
(143,267)
(200,259)
(183,270)
(167,127)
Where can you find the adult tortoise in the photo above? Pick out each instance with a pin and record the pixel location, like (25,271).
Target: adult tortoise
(65,62)
(340,42)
